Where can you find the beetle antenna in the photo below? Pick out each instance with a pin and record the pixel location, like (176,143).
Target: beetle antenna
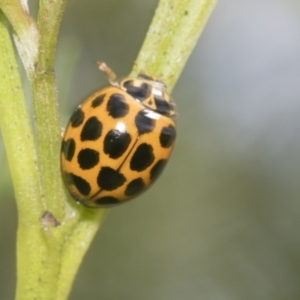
(110,74)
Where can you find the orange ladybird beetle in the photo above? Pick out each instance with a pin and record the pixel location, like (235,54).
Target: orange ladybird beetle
(118,141)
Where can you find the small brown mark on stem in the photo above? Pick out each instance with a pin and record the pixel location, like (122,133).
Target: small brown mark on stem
(48,219)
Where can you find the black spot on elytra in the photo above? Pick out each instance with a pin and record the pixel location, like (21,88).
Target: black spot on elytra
(143,122)
(98,101)
(142,158)
(68,149)
(134,187)
(157,169)
(117,106)
(88,158)
(82,186)
(107,200)
(110,179)
(162,106)
(91,130)
(116,143)
(167,136)
(77,118)
(138,92)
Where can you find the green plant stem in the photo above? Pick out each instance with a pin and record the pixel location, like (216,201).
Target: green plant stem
(76,237)
(16,15)
(19,143)
(49,249)
(171,38)
(16,131)
(44,95)
(26,33)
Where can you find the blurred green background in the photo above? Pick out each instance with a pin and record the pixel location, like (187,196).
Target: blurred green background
(222,222)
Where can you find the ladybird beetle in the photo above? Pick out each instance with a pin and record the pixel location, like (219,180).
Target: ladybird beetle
(118,141)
